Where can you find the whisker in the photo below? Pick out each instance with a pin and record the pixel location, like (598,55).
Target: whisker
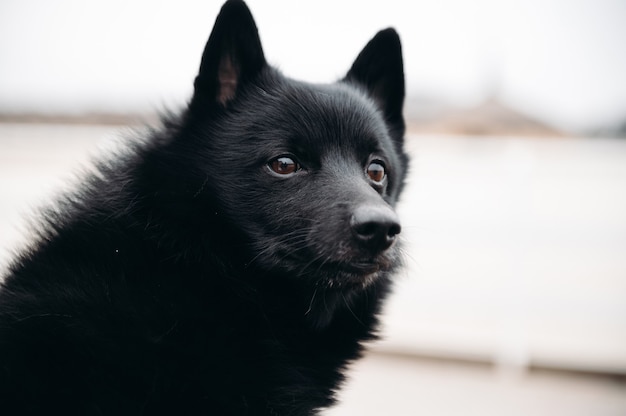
(345,301)
(311,303)
(296,235)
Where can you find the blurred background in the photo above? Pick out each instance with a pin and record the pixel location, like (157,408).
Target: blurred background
(513,298)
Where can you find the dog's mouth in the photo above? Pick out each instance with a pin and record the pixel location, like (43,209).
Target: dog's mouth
(360,268)
(352,273)
(343,268)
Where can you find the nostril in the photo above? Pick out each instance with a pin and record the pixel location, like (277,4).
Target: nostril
(368,229)
(394,230)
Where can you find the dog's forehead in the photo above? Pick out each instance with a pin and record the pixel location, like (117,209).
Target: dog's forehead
(337,109)
(335,98)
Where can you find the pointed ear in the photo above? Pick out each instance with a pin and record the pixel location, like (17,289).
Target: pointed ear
(232,56)
(379,68)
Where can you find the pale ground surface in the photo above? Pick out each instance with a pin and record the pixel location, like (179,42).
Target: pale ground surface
(516,258)
(382,385)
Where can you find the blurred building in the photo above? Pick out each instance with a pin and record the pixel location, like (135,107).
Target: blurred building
(489,118)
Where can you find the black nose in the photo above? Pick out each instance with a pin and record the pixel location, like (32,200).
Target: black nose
(375,227)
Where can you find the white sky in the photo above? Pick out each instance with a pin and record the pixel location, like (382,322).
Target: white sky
(561,60)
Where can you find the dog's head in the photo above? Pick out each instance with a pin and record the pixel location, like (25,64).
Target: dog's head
(309,174)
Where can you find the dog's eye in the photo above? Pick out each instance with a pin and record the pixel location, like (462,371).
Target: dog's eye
(376,171)
(284,165)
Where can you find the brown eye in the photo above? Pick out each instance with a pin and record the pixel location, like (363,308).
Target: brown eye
(284,165)
(376,171)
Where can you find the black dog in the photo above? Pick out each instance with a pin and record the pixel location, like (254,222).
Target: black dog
(230,264)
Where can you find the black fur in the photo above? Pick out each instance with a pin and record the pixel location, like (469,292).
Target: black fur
(186,277)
